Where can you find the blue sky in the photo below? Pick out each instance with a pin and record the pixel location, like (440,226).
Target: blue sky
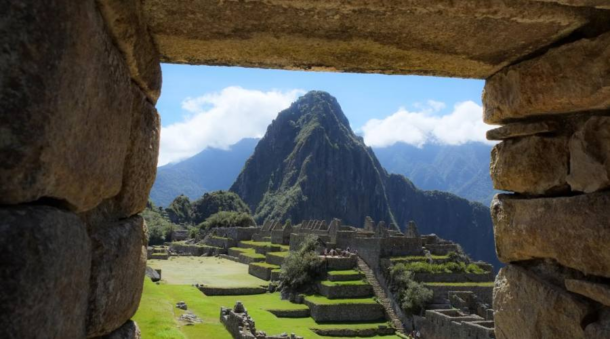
(197,103)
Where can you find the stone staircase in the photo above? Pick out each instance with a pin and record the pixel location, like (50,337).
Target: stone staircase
(381,295)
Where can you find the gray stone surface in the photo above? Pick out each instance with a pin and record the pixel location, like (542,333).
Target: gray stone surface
(129,330)
(141,160)
(117,274)
(595,291)
(406,37)
(125,20)
(529,307)
(522,129)
(152,274)
(44,273)
(523,90)
(530,165)
(574,231)
(65,97)
(590,156)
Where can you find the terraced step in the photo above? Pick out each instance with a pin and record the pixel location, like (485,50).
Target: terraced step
(381,295)
(345,289)
(324,310)
(276,258)
(380,330)
(291,313)
(262,247)
(264,271)
(436,259)
(345,275)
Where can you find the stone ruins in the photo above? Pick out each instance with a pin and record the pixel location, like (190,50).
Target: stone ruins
(80,138)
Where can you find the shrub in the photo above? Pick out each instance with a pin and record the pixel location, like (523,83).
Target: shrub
(413,296)
(303,267)
(227,219)
(159,227)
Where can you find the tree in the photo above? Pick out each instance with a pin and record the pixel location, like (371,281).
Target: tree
(227,219)
(303,267)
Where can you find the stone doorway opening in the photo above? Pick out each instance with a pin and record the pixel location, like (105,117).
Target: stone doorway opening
(80,137)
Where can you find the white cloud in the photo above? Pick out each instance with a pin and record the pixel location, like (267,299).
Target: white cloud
(464,124)
(222,119)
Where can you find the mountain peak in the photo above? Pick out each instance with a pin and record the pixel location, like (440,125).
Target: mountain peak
(317,106)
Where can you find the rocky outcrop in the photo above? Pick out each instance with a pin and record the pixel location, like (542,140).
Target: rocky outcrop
(129,330)
(44,280)
(310,165)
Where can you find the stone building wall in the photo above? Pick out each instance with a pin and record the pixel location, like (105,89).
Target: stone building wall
(79,144)
(554,155)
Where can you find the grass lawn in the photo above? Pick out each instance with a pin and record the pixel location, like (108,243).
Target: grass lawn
(419,258)
(157,315)
(253,255)
(279,254)
(345,272)
(265,265)
(320,300)
(344,283)
(205,270)
(469,284)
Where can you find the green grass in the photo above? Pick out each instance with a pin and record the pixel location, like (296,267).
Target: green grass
(243,250)
(279,254)
(320,300)
(465,284)
(205,270)
(419,258)
(345,272)
(344,283)
(157,315)
(450,267)
(266,265)
(253,255)
(257,243)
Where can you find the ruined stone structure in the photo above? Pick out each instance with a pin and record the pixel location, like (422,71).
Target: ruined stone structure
(242,326)
(79,138)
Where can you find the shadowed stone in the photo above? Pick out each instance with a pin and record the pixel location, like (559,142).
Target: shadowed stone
(524,89)
(531,165)
(129,330)
(526,306)
(401,37)
(66,97)
(44,273)
(595,291)
(141,162)
(522,130)
(590,156)
(126,22)
(117,274)
(604,4)
(601,328)
(574,231)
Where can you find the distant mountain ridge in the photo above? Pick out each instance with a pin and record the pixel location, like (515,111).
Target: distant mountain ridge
(461,169)
(311,165)
(210,170)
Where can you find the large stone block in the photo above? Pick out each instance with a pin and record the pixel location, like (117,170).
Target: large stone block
(531,165)
(44,273)
(65,102)
(604,4)
(466,38)
(554,83)
(129,330)
(117,274)
(590,156)
(595,291)
(141,162)
(599,329)
(527,306)
(127,24)
(574,231)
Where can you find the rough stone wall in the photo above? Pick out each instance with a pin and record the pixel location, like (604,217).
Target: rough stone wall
(554,154)
(79,144)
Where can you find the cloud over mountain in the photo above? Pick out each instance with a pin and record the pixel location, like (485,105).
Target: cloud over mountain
(222,119)
(464,124)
